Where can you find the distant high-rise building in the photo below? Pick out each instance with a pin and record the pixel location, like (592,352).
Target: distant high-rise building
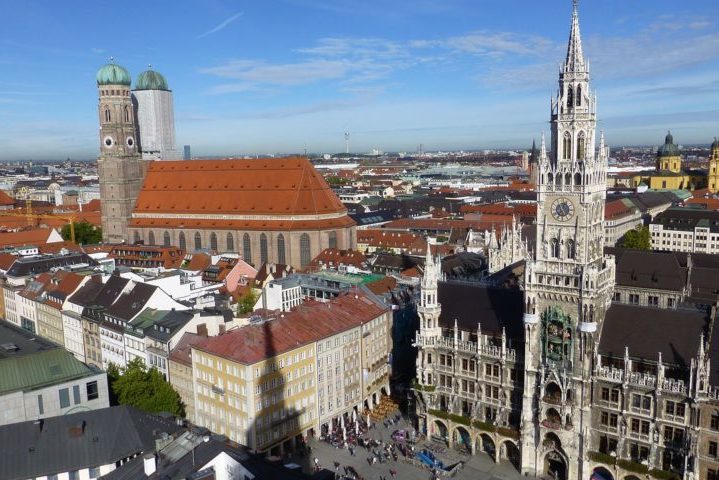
(120,166)
(187,154)
(155,117)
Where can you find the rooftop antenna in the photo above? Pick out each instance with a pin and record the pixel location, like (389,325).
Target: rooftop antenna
(347,141)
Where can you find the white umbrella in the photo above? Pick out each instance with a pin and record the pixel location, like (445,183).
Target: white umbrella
(342,422)
(356,427)
(344,433)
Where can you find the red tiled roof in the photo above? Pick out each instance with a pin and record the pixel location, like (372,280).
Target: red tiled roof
(308,323)
(6,200)
(149,256)
(389,239)
(182,353)
(199,262)
(383,285)
(334,257)
(267,186)
(35,236)
(616,208)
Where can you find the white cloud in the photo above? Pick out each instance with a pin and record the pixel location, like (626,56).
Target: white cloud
(221,25)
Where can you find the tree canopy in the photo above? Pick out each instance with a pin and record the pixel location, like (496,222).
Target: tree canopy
(85,233)
(638,239)
(246,303)
(143,388)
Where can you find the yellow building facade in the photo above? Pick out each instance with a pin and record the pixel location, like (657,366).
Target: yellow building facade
(713,177)
(263,404)
(669,174)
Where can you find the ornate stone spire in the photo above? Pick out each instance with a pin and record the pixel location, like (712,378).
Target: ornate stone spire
(575,55)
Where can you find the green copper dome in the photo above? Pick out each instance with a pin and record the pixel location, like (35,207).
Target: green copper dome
(151,80)
(113,74)
(668,149)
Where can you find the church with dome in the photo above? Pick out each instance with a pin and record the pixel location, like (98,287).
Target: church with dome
(669,173)
(277,210)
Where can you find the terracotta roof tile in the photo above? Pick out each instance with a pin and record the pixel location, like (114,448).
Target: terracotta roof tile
(265,186)
(308,323)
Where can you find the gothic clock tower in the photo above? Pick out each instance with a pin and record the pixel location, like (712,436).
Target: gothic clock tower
(568,280)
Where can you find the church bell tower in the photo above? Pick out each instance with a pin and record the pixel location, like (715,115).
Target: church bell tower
(569,280)
(120,166)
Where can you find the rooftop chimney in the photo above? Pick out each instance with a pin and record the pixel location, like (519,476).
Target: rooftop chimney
(150,464)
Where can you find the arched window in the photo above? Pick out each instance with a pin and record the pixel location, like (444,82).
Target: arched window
(554,246)
(108,116)
(571,249)
(333,240)
(558,179)
(198,241)
(281,249)
(213,242)
(579,96)
(305,255)
(166,239)
(550,178)
(567,146)
(230,242)
(570,98)
(567,179)
(151,238)
(246,248)
(183,243)
(577,178)
(127,114)
(136,236)
(580,146)
(263,248)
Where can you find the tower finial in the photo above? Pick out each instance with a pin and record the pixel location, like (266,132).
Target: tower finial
(112,59)
(575,56)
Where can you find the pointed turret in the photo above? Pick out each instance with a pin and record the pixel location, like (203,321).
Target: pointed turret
(575,55)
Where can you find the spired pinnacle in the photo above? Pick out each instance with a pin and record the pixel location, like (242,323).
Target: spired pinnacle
(575,55)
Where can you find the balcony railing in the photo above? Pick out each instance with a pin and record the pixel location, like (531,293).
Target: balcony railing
(465,346)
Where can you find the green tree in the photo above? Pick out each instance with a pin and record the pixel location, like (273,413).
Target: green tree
(143,388)
(246,304)
(637,239)
(85,233)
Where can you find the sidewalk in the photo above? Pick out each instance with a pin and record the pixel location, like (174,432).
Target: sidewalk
(477,467)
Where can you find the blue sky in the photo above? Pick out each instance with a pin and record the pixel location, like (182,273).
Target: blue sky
(280,75)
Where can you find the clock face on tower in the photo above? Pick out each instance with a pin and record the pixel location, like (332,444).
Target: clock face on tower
(562,209)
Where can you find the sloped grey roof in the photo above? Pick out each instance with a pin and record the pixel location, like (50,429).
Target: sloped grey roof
(76,441)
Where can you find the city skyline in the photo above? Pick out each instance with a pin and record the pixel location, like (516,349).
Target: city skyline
(296,74)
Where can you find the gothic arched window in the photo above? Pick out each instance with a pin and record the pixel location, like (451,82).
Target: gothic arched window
(580,146)
(570,98)
(577,178)
(579,96)
(571,249)
(554,246)
(550,178)
(183,242)
(198,241)
(332,240)
(166,239)
(567,179)
(230,242)
(213,242)
(281,249)
(151,238)
(108,116)
(246,248)
(305,255)
(127,115)
(567,146)
(263,248)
